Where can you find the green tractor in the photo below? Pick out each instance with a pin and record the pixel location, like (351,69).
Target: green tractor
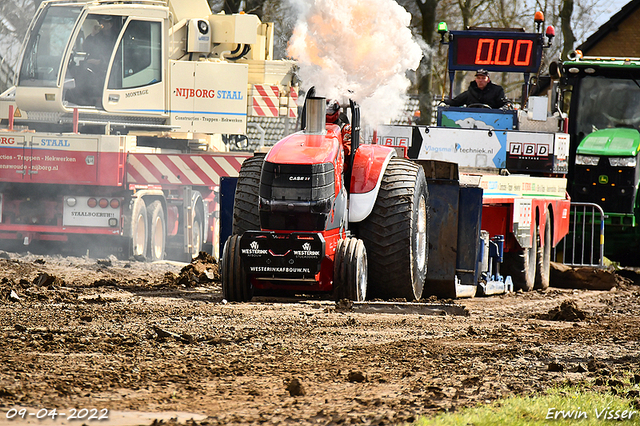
(603,96)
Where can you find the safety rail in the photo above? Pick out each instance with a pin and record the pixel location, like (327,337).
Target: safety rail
(586,232)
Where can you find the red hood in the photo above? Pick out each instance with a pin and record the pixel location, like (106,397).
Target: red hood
(302,148)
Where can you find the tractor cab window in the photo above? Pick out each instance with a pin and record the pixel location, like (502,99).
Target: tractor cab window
(45,50)
(598,110)
(138,61)
(90,59)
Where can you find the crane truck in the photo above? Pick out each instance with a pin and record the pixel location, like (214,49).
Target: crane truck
(124,151)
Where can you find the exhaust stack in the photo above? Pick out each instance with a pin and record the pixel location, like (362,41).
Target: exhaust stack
(315,116)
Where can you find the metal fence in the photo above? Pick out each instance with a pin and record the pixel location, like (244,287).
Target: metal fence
(584,244)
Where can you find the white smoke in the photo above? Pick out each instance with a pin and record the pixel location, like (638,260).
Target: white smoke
(360,50)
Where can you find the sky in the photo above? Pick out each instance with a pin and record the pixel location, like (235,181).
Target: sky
(611,8)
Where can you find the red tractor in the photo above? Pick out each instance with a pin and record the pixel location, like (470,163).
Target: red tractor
(314,216)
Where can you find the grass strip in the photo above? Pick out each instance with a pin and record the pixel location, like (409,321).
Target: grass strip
(559,406)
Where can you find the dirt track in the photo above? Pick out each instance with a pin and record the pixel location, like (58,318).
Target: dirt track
(146,337)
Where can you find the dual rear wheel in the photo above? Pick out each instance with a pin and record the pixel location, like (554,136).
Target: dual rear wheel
(350,270)
(236,286)
(530,268)
(148,230)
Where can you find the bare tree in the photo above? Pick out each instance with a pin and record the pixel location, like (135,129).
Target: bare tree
(425,93)
(567,32)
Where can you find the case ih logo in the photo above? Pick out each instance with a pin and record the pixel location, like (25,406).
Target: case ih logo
(302,178)
(7,141)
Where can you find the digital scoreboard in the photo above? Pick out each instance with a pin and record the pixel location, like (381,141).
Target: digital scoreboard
(499,51)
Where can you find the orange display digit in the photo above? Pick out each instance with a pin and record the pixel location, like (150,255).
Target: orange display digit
(502,58)
(528,44)
(482,57)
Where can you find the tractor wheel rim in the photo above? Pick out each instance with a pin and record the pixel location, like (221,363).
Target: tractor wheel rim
(361,276)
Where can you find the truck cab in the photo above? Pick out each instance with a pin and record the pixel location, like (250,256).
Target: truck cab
(147,67)
(92,58)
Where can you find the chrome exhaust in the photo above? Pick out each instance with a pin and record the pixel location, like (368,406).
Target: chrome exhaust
(315,116)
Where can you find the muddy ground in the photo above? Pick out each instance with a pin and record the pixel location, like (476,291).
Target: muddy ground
(138,338)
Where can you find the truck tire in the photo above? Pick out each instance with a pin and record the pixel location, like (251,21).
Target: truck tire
(235,285)
(544,257)
(245,205)
(521,265)
(350,270)
(196,229)
(139,228)
(157,231)
(396,233)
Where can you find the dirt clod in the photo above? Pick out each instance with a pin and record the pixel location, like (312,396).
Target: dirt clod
(356,376)
(295,387)
(567,311)
(555,367)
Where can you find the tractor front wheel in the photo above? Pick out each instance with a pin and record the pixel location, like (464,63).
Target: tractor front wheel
(235,284)
(350,270)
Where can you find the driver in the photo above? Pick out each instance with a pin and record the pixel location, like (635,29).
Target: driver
(481,91)
(334,115)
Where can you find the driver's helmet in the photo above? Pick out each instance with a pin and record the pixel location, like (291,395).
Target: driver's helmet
(333,110)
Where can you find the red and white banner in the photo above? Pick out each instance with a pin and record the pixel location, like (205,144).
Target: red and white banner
(182,169)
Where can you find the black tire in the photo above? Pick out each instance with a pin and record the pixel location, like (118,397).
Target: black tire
(157,231)
(338,278)
(544,257)
(350,270)
(139,228)
(235,285)
(521,265)
(396,233)
(245,205)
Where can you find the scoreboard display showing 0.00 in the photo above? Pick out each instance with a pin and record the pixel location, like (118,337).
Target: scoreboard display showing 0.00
(495,51)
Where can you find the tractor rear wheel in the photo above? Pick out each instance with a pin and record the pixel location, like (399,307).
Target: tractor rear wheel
(544,256)
(245,206)
(350,270)
(396,233)
(521,265)
(235,284)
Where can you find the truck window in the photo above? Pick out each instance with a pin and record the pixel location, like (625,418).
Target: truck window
(89,61)
(45,49)
(597,109)
(138,61)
